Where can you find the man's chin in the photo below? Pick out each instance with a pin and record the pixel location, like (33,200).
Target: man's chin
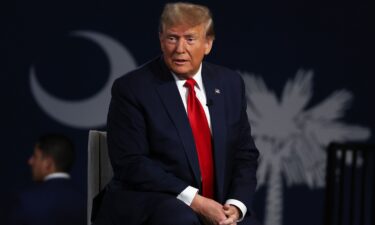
(38,179)
(182,73)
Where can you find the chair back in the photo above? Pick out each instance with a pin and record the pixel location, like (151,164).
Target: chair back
(99,171)
(350,188)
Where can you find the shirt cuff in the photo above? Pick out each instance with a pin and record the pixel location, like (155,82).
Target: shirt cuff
(187,195)
(239,205)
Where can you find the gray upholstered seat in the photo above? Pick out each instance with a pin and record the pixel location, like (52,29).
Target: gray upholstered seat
(99,171)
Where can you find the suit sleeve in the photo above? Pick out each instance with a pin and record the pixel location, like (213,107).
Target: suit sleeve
(245,161)
(129,150)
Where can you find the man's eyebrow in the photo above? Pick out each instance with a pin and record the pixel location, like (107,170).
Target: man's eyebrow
(191,34)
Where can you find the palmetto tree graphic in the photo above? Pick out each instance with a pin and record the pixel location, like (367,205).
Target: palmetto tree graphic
(292,139)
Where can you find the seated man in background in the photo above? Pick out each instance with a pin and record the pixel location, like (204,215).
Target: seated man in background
(53,200)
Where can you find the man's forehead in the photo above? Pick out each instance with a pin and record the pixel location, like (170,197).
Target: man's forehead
(184,29)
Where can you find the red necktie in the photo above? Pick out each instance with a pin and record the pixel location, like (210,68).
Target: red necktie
(202,138)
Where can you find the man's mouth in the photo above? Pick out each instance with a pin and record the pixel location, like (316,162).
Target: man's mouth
(179,61)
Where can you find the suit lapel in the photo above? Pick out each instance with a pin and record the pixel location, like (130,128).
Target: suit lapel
(215,97)
(171,99)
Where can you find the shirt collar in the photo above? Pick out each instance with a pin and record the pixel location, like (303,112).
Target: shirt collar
(197,77)
(57,175)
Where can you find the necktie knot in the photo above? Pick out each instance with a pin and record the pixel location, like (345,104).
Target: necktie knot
(190,83)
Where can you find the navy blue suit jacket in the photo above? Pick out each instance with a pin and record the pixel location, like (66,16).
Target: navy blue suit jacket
(53,202)
(151,144)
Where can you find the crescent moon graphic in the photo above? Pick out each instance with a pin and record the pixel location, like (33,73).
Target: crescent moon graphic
(90,112)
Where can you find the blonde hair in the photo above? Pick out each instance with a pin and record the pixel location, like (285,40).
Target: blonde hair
(186,13)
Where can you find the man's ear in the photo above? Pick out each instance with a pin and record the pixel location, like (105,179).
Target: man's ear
(50,165)
(208,45)
(161,41)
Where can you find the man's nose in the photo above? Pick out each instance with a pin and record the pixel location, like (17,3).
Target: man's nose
(30,160)
(180,48)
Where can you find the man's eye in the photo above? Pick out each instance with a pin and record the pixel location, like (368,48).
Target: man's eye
(171,39)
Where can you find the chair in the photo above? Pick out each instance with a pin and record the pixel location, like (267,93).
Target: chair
(350,186)
(99,171)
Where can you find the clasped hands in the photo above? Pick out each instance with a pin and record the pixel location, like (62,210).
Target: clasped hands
(213,213)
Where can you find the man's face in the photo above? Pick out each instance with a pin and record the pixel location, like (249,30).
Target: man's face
(39,165)
(184,47)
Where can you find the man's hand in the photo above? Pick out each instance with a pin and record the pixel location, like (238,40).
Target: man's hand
(211,211)
(232,213)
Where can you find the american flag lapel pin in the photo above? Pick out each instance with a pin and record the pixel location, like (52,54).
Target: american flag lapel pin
(217,91)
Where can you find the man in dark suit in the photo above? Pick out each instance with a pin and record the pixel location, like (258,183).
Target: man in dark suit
(53,200)
(178,135)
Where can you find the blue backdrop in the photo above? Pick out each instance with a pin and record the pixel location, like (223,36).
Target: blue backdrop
(58,60)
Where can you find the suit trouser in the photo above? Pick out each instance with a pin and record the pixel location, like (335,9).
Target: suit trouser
(138,208)
(148,208)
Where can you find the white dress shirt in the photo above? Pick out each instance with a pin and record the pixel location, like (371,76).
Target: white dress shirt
(188,194)
(56,175)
